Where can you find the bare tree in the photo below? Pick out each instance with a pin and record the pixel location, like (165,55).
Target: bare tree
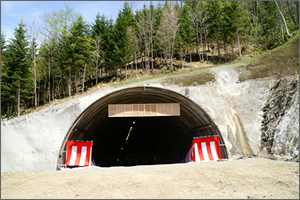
(97,57)
(33,34)
(133,43)
(167,30)
(283,19)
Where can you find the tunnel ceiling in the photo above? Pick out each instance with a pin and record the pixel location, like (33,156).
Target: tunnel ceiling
(170,136)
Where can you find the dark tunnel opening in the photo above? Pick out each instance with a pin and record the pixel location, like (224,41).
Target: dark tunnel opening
(128,141)
(141,140)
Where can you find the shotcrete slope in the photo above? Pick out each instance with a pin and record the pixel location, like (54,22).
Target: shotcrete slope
(236,107)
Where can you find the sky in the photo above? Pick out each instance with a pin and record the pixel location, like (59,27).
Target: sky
(12,12)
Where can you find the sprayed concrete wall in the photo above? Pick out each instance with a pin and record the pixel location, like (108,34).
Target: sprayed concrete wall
(236,108)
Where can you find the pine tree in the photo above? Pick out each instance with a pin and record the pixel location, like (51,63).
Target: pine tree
(187,32)
(122,50)
(5,89)
(19,69)
(81,48)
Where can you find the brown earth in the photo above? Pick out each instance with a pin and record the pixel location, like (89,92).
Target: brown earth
(243,178)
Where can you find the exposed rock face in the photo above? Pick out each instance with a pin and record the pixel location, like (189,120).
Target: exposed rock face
(280,122)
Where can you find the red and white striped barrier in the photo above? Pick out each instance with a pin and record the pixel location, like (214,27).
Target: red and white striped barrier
(203,150)
(79,153)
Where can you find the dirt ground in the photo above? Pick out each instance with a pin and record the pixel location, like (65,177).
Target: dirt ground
(243,178)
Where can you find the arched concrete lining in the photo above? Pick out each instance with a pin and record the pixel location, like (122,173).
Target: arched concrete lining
(93,123)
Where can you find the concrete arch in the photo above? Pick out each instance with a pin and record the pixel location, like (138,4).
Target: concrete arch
(167,136)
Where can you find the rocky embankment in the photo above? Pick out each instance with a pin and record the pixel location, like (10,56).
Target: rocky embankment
(280,124)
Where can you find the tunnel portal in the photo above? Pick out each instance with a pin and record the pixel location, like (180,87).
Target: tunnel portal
(128,141)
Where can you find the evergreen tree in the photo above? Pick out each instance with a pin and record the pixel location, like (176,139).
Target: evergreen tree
(215,20)
(187,32)
(5,103)
(19,70)
(122,50)
(81,48)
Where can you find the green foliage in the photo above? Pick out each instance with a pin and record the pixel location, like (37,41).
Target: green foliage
(71,48)
(122,49)
(17,80)
(186,30)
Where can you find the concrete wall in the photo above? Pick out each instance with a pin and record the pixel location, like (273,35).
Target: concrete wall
(235,107)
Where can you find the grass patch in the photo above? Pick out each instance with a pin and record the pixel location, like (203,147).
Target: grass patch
(280,62)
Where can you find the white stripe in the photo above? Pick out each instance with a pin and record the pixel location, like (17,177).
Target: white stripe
(213,150)
(197,157)
(204,151)
(83,156)
(73,156)
(188,157)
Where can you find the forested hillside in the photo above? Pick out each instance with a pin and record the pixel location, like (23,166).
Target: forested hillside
(72,55)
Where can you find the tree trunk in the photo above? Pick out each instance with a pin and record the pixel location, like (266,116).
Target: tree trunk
(53,77)
(84,71)
(281,29)
(197,43)
(76,83)
(205,48)
(181,56)
(49,94)
(19,101)
(151,49)
(34,68)
(238,39)
(288,4)
(161,58)
(191,56)
(219,51)
(120,73)
(38,96)
(135,63)
(148,55)
(96,71)
(225,50)
(232,50)
(286,28)
(201,43)
(70,83)
(126,71)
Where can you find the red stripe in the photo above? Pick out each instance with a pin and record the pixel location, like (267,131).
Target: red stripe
(79,148)
(211,158)
(193,154)
(69,152)
(200,151)
(87,158)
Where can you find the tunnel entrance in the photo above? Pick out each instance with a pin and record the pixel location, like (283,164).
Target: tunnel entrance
(128,141)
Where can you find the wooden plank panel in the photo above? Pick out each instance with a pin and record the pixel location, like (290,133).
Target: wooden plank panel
(120,110)
(147,110)
(160,109)
(168,109)
(176,109)
(153,109)
(128,110)
(135,110)
(112,110)
(141,109)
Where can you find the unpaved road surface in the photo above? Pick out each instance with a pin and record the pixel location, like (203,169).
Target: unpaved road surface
(244,178)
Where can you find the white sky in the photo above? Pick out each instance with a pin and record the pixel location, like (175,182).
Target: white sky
(12,12)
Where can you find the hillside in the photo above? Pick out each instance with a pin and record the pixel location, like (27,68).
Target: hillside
(280,62)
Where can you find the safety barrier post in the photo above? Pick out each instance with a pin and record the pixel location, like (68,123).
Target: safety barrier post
(258,151)
(46,160)
(278,157)
(23,160)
